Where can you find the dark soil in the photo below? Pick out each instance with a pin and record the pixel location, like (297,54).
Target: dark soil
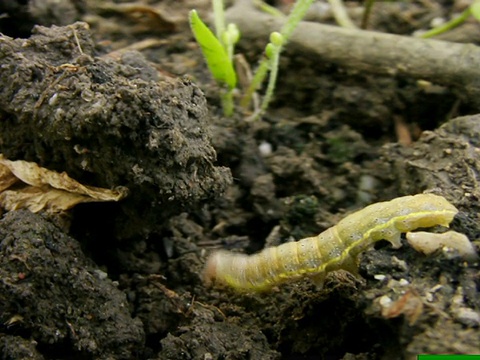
(127,101)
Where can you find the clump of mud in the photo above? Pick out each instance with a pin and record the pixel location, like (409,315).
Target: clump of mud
(52,293)
(107,121)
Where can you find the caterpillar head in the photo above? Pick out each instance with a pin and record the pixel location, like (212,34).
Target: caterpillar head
(210,271)
(225,268)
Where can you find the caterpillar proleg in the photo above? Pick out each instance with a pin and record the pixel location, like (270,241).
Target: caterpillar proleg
(334,249)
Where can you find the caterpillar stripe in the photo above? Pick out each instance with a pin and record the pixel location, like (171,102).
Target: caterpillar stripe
(334,249)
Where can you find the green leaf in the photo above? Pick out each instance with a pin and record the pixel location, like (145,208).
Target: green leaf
(475,10)
(215,55)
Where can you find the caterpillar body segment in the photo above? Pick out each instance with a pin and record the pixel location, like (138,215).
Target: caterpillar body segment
(334,249)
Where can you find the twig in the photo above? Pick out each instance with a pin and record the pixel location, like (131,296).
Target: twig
(340,14)
(441,62)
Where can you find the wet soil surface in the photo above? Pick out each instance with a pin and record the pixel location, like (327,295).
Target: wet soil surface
(124,98)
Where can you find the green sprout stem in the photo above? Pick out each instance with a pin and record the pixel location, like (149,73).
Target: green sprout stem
(269,63)
(449,25)
(274,55)
(227,102)
(366,13)
(255,84)
(263,6)
(296,15)
(219,17)
(340,14)
(229,38)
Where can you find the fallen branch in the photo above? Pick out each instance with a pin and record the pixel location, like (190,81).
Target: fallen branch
(441,62)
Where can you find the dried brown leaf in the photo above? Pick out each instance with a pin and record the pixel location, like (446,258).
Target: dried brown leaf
(37,188)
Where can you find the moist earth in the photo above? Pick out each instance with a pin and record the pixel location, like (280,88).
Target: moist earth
(124,280)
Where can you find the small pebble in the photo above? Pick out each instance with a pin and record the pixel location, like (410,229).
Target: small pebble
(265,148)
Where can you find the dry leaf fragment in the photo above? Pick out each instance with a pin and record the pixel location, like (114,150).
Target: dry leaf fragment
(410,305)
(7,178)
(148,17)
(428,243)
(25,185)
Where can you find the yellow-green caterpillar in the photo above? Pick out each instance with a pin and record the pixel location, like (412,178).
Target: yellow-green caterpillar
(334,249)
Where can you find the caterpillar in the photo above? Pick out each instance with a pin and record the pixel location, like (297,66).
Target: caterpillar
(337,248)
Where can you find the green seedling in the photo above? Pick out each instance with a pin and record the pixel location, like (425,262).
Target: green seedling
(472,10)
(218,52)
(218,55)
